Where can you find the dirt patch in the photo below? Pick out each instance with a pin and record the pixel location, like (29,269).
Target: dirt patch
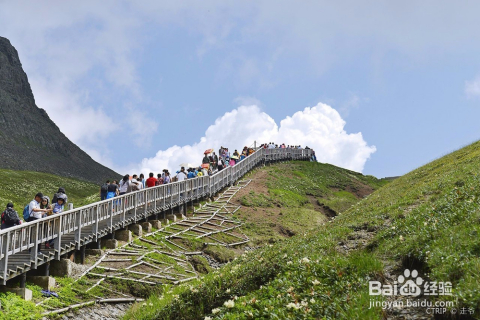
(285,231)
(320,207)
(360,190)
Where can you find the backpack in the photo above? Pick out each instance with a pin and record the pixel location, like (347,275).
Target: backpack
(26,212)
(10,216)
(104,188)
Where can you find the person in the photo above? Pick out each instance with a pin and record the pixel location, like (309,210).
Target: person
(45,204)
(104,190)
(34,208)
(142,178)
(167,178)
(191,173)
(133,185)
(112,190)
(235,153)
(205,159)
(199,172)
(181,175)
(124,184)
(221,164)
(60,191)
(160,179)
(10,217)
(215,160)
(57,208)
(35,212)
(151,181)
(232,162)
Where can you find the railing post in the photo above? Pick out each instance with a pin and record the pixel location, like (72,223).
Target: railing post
(146,204)
(58,240)
(78,232)
(95,223)
(5,246)
(34,252)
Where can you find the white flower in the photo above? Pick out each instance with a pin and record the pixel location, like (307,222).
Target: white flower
(216,310)
(290,289)
(305,260)
(229,304)
(227,291)
(250,314)
(285,256)
(266,309)
(295,306)
(235,298)
(316,282)
(312,301)
(304,303)
(289,263)
(425,223)
(401,238)
(393,228)
(208,318)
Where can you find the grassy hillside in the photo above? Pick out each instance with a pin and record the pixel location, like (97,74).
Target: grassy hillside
(428,220)
(286,202)
(290,198)
(20,188)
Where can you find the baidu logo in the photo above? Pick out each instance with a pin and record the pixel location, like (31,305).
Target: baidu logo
(410,284)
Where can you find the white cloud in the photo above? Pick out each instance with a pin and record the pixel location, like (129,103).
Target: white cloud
(320,127)
(472,88)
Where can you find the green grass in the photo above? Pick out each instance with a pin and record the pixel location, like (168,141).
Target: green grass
(428,219)
(20,187)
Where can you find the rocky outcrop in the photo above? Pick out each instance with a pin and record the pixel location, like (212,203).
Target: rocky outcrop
(29,140)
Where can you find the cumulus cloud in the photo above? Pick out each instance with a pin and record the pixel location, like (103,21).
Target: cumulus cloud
(472,88)
(320,127)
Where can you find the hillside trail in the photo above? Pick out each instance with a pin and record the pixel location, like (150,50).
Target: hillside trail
(162,256)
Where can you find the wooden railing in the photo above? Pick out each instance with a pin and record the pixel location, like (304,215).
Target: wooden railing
(91,222)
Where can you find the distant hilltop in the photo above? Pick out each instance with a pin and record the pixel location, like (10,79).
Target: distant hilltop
(29,140)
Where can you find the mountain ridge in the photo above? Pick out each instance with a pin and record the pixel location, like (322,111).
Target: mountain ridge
(29,139)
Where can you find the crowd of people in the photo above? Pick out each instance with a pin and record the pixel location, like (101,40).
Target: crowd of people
(41,206)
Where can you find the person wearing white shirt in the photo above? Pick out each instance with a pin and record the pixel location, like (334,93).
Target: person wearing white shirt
(34,208)
(181,175)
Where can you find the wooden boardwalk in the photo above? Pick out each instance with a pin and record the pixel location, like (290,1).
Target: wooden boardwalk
(73,229)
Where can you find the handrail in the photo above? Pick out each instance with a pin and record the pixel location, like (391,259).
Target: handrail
(93,221)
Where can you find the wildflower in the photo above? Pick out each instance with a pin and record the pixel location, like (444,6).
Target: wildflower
(144,304)
(227,291)
(250,314)
(266,309)
(229,304)
(253,300)
(312,301)
(208,318)
(285,256)
(295,306)
(305,260)
(304,303)
(216,310)
(316,282)
(290,289)
(425,223)
(393,228)
(235,298)
(401,238)
(289,263)
(279,295)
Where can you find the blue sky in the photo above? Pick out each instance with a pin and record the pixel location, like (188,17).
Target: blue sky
(128,81)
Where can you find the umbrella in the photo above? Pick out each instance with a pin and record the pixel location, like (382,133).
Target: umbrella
(205,165)
(234,157)
(187,165)
(208,151)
